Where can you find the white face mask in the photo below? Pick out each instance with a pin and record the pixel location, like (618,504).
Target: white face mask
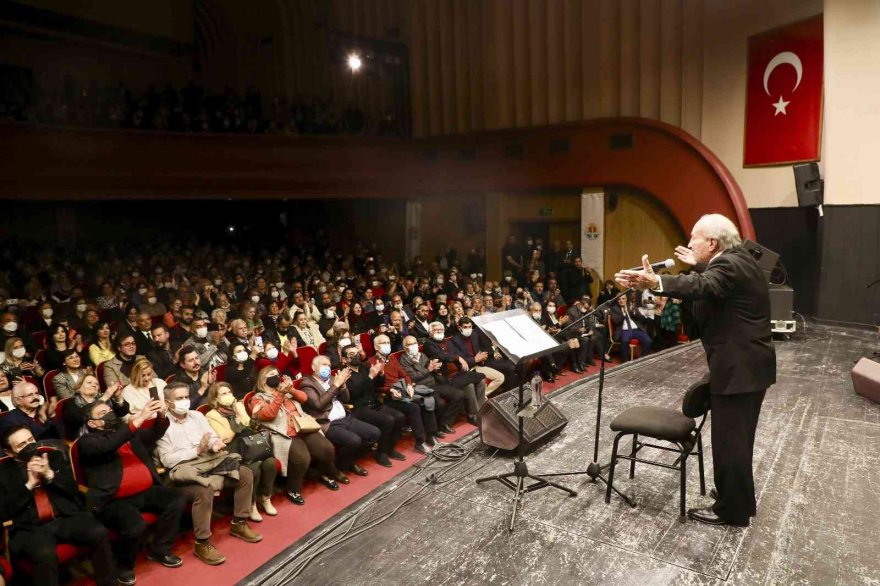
(330,313)
(536,314)
(226,400)
(274,294)
(201,332)
(11,327)
(439,281)
(217,283)
(47,313)
(345,342)
(438,336)
(82,307)
(241,356)
(551,309)
(19,352)
(272,353)
(280,284)
(151,300)
(467,332)
(255,298)
(385,349)
(181,406)
(413,349)
(169,285)
(380,308)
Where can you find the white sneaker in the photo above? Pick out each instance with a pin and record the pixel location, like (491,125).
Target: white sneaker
(255,514)
(268,508)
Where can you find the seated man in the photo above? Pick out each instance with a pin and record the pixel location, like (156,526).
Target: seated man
(188,440)
(142,336)
(30,411)
(363,390)
(351,437)
(189,372)
(420,327)
(161,356)
(628,323)
(398,389)
(427,371)
(593,327)
(211,354)
(471,348)
(39,495)
(123,482)
(473,383)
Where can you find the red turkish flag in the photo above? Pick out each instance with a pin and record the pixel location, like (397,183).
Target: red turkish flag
(784,95)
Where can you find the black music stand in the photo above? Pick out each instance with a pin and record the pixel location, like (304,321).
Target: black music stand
(594,469)
(521,340)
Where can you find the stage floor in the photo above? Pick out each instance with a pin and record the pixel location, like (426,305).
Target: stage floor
(816,473)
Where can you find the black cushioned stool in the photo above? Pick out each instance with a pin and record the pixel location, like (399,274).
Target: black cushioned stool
(660,423)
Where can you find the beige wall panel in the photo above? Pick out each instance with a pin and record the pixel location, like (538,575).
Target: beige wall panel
(670,59)
(629,57)
(649,59)
(555,62)
(522,63)
(574,87)
(538,65)
(462,66)
(692,67)
(590,70)
(609,58)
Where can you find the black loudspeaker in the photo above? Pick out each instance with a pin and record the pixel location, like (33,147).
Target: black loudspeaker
(499,426)
(809,185)
(766,258)
(781,302)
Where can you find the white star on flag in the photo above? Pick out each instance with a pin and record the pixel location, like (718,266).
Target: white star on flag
(780,107)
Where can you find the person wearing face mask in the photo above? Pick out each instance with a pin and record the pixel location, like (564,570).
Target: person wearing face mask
(16,362)
(470,382)
(340,339)
(211,354)
(189,439)
(470,345)
(9,328)
(151,305)
(592,331)
(240,373)
(31,410)
(87,392)
(328,319)
(230,421)
(78,317)
(398,389)
(428,372)
(351,437)
(123,482)
(43,322)
(275,404)
(39,495)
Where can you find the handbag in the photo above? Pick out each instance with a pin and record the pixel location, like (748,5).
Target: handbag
(304,423)
(254,446)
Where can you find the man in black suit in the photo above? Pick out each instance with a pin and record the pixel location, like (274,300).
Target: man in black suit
(30,411)
(38,494)
(161,355)
(123,481)
(628,324)
(479,355)
(732,309)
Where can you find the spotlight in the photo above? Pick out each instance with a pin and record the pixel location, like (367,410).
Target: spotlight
(354,62)
(230,229)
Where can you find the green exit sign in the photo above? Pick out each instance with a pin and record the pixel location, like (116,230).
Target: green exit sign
(545,211)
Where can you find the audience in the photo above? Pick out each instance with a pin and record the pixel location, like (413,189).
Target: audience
(87,392)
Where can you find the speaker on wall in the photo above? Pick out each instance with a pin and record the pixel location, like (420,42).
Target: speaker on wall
(810,187)
(499,426)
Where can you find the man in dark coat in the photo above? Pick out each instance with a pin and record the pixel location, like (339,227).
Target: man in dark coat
(732,310)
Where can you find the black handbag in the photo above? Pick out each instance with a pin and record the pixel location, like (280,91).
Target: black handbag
(252,445)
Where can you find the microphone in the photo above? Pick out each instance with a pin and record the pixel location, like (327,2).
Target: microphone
(663,264)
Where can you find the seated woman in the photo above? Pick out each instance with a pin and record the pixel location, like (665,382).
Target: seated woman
(68,378)
(248,312)
(5,393)
(142,379)
(87,392)
(340,339)
(358,320)
(102,349)
(240,372)
(17,363)
(275,405)
(172,316)
(306,332)
(58,343)
(229,420)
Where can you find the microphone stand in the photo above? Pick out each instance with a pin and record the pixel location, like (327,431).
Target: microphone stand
(594,469)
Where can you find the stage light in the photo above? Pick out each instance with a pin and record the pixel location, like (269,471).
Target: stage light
(230,229)
(354,62)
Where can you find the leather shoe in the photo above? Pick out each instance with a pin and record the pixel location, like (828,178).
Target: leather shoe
(472,419)
(439,434)
(714,494)
(445,428)
(328,482)
(296,498)
(707,515)
(359,470)
(577,369)
(168,560)
(422,448)
(382,460)
(550,379)
(395,455)
(342,478)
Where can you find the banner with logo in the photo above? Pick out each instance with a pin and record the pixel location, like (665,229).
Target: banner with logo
(784,95)
(593,230)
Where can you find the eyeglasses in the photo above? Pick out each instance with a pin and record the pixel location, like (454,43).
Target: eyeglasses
(128,344)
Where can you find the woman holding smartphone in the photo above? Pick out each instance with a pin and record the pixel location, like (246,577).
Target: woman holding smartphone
(144,386)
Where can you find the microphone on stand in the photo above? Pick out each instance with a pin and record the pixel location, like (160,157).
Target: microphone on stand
(663,264)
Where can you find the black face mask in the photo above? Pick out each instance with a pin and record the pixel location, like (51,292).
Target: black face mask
(27,453)
(355,361)
(273,381)
(111,421)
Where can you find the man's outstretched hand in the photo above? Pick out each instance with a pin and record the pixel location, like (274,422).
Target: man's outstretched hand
(644,279)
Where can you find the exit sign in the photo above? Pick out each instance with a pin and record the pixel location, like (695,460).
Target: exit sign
(545,211)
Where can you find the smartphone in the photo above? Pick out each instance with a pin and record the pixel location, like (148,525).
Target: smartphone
(154,393)
(258,341)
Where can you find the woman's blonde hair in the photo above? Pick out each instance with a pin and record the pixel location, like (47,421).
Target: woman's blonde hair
(82,380)
(213,390)
(137,371)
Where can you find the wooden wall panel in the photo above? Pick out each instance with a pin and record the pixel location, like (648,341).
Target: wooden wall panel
(537,62)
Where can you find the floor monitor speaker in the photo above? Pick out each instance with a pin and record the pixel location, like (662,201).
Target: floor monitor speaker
(499,425)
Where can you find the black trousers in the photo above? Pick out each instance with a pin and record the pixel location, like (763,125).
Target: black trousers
(734,420)
(413,414)
(389,422)
(450,403)
(124,517)
(352,438)
(37,544)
